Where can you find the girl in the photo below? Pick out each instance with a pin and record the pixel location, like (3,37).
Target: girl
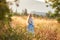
(30,24)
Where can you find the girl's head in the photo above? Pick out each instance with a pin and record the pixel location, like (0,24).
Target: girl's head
(30,15)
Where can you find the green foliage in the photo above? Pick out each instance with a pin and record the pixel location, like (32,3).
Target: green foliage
(3,10)
(5,15)
(58,19)
(38,16)
(2,1)
(55,5)
(50,14)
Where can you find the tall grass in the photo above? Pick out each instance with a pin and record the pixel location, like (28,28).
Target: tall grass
(45,29)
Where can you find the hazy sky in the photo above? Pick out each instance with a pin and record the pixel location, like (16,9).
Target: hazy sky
(32,5)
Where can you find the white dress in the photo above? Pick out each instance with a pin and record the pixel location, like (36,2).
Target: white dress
(30,25)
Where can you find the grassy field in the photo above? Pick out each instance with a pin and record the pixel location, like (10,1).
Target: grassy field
(45,29)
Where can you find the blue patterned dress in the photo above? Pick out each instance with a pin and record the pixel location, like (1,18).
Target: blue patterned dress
(30,25)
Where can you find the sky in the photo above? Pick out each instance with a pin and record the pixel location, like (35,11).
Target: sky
(31,5)
(40,0)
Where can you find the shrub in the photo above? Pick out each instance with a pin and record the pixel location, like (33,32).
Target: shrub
(58,19)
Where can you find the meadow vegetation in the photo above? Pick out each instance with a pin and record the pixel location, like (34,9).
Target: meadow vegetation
(13,26)
(45,29)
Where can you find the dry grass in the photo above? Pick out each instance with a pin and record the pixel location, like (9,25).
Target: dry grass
(48,29)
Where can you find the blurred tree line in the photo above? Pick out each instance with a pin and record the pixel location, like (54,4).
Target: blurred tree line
(24,12)
(6,31)
(55,5)
(4,14)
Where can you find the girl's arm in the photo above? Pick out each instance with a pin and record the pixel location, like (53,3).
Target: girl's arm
(28,21)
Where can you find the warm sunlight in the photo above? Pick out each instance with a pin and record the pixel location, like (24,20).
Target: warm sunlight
(29,19)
